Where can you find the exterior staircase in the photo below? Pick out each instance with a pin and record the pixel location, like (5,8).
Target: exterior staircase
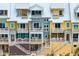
(64,48)
(44,50)
(22,49)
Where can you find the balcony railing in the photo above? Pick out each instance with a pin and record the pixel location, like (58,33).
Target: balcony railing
(3,40)
(36,40)
(22,30)
(22,40)
(75,30)
(58,30)
(57,40)
(3,29)
(36,29)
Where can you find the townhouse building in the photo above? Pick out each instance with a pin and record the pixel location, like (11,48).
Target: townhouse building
(44,28)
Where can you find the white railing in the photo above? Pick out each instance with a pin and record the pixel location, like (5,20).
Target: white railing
(3,29)
(4,40)
(57,39)
(22,30)
(36,29)
(58,30)
(36,40)
(22,40)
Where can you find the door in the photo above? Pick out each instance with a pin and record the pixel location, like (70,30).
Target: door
(67,37)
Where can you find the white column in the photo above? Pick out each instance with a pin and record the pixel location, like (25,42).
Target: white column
(72,37)
(15,36)
(29,38)
(65,37)
(9,36)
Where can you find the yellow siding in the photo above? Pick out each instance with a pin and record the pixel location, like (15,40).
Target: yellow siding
(55,11)
(15,25)
(7,24)
(67,28)
(51,28)
(62,27)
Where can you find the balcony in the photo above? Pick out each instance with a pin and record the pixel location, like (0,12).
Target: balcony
(22,30)
(58,30)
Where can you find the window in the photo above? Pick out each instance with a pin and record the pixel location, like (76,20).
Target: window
(57,12)
(46,20)
(36,25)
(60,12)
(75,37)
(75,26)
(2,25)
(61,35)
(39,36)
(77,14)
(36,12)
(47,25)
(57,25)
(12,37)
(21,12)
(67,24)
(44,25)
(2,35)
(22,25)
(54,35)
(11,25)
(22,35)
(34,36)
(3,12)
(6,35)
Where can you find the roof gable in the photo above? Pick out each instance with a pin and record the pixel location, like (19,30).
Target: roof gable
(36,7)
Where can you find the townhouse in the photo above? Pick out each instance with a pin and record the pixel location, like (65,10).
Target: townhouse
(43,28)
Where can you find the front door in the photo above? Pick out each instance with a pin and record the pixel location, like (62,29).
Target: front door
(67,37)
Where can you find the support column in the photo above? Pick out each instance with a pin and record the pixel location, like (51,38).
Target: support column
(9,36)
(29,37)
(65,37)
(57,37)
(70,37)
